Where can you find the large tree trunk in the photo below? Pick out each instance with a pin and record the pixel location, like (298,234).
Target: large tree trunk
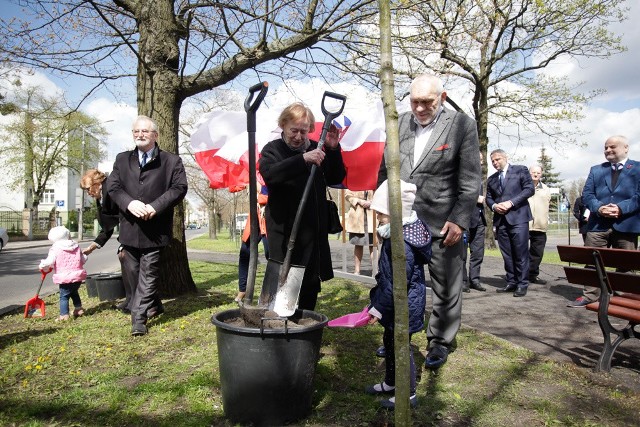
(159,98)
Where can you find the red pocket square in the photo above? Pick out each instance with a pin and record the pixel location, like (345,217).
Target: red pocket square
(442,147)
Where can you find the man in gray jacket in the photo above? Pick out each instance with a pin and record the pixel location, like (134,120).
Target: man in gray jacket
(439,153)
(146,184)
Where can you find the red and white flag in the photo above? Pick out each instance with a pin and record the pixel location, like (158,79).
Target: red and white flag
(220,142)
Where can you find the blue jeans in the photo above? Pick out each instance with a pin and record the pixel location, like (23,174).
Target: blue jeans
(69,290)
(243,262)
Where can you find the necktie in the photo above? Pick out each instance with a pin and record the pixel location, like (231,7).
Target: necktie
(501,178)
(144,160)
(615,172)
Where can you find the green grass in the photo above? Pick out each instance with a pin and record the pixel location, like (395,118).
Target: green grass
(224,243)
(550,256)
(91,372)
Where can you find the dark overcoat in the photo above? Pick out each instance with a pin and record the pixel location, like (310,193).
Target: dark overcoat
(161,183)
(285,174)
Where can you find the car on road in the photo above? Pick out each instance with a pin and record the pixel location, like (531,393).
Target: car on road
(193,226)
(4,238)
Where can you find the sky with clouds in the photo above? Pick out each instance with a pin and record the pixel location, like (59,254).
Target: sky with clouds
(616,112)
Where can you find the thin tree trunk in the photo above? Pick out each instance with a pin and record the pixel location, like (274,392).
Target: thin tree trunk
(398,258)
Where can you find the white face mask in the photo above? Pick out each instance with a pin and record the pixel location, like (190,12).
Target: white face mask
(384,231)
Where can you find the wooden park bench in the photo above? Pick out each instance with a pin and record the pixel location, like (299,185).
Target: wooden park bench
(619,292)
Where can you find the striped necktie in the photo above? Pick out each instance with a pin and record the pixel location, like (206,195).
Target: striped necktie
(144,160)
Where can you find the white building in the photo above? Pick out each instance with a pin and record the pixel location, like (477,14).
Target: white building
(62,192)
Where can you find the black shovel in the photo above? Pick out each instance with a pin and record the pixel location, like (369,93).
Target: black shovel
(289,279)
(254,237)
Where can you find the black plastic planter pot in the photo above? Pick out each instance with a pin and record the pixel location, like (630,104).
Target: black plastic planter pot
(92,290)
(266,376)
(110,287)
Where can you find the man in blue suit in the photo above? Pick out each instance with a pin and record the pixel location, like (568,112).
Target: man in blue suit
(508,191)
(612,195)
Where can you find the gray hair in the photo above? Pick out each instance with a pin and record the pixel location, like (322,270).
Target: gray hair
(141,118)
(435,82)
(499,151)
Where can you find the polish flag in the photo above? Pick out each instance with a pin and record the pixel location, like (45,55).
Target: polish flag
(220,143)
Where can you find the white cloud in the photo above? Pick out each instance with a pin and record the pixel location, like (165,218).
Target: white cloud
(29,79)
(117,119)
(618,74)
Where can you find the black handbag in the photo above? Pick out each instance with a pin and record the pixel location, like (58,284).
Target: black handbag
(333,219)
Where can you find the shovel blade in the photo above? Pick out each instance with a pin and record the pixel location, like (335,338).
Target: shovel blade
(269,284)
(34,308)
(286,300)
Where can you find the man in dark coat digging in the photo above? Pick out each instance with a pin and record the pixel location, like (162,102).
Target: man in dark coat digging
(285,165)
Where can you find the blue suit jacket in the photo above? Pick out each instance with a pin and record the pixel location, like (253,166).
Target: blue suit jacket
(518,187)
(598,192)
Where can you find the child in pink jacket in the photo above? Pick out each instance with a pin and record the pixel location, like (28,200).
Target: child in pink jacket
(67,260)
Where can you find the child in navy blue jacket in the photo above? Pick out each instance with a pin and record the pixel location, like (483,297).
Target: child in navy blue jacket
(417,244)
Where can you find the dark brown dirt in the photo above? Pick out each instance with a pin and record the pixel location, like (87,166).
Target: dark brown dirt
(256,317)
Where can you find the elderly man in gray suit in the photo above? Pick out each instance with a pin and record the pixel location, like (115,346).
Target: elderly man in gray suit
(439,153)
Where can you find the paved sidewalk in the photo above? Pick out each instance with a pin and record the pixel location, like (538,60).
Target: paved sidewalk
(540,321)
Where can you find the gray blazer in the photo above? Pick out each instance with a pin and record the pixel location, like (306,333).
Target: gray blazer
(448,172)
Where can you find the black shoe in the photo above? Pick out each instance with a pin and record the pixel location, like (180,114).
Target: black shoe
(381,352)
(436,357)
(391,402)
(381,388)
(122,307)
(537,280)
(508,288)
(155,311)
(138,330)
(520,292)
(465,288)
(478,287)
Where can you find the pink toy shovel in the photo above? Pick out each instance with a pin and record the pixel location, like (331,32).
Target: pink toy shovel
(352,320)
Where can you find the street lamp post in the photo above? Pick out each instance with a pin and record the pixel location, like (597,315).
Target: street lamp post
(81,211)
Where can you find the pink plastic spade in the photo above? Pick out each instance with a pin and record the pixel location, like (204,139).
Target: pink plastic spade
(352,320)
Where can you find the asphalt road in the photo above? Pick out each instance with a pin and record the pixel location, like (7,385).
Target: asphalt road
(20,277)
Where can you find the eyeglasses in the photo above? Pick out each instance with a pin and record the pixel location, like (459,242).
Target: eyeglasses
(142,131)
(294,131)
